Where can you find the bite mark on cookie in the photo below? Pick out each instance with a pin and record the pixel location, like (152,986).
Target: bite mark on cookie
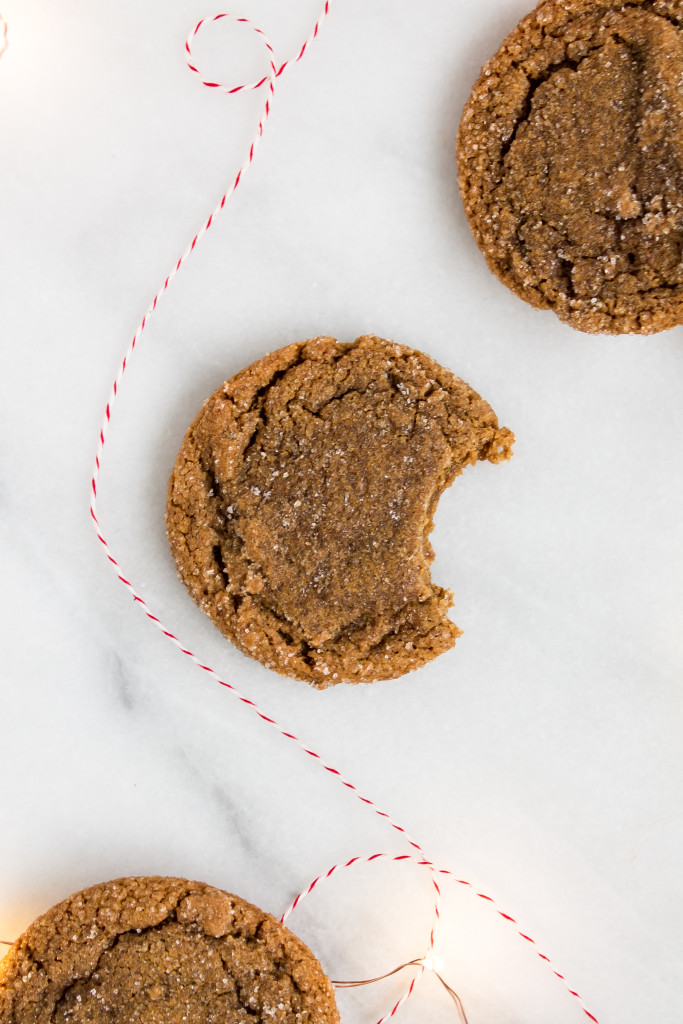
(302,498)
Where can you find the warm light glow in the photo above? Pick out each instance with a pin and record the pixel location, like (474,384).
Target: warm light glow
(432,963)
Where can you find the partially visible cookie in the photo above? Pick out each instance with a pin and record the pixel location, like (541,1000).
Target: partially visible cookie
(570,160)
(161,951)
(301,501)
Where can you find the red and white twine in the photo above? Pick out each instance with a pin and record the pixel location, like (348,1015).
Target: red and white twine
(230,90)
(437,873)
(268,81)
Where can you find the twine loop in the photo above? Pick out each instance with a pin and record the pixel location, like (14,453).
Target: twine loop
(426,963)
(219,86)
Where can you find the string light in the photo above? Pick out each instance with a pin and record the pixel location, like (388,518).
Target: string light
(425,963)
(3,35)
(431,962)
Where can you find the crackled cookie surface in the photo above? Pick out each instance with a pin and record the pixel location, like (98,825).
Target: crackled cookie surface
(301,500)
(161,951)
(570,159)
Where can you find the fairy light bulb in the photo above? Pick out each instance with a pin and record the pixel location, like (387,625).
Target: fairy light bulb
(432,963)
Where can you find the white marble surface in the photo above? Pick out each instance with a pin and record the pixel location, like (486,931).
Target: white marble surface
(541,759)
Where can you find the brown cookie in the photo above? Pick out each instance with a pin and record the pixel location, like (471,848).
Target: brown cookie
(301,500)
(570,160)
(161,951)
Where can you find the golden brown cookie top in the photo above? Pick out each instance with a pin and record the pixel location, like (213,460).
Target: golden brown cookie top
(302,497)
(570,159)
(161,951)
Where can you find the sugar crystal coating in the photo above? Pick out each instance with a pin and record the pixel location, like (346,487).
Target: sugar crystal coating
(301,500)
(570,159)
(161,951)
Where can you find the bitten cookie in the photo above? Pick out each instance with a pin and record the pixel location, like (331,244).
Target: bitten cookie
(301,500)
(570,160)
(161,951)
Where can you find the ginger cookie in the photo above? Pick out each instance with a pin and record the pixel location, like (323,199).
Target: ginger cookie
(161,951)
(302,498)
(570,161)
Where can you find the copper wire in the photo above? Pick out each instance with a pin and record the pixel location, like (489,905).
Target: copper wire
(420,962)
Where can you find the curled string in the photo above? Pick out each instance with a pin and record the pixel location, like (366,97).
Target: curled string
(230,90)
(426,962)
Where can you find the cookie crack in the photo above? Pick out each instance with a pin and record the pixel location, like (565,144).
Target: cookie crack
(112,944)
(567,63)
(535,81)
(291,632)
(172,916)
(217,552)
